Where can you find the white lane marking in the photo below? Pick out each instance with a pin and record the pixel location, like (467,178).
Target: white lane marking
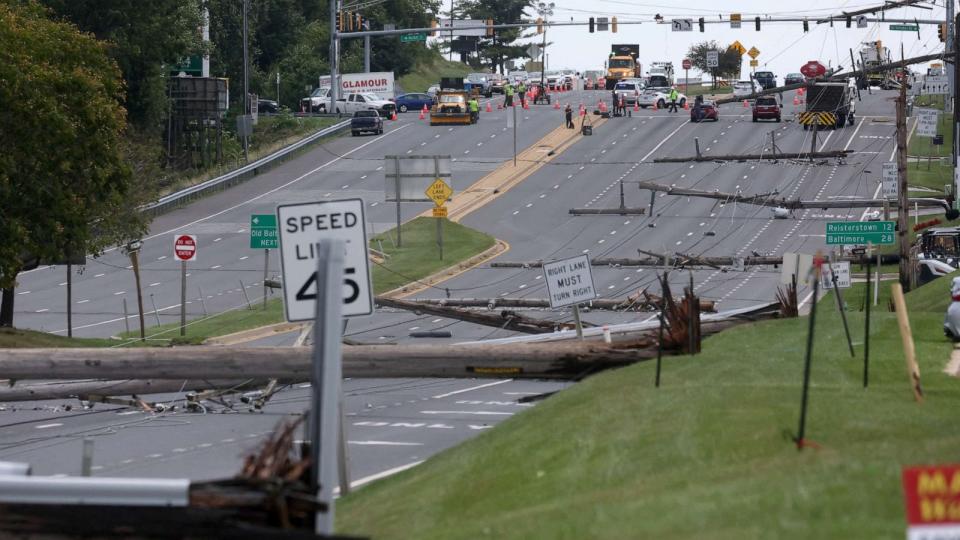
(23,292)
(384,443)
(215,240)
(455,392)
(522,393)
(245,257)
(475,413)
(163,256)
(47,426)
(383,474)
(99,275)
(127,413)
(118,293)
(154,284)
(41,310)
(82,301)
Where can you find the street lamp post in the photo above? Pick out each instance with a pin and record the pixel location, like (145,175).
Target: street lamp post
(544,10)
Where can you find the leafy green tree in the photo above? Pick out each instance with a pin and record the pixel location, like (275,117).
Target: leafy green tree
(64,186)
(145,38)
(503,47)
(728,58)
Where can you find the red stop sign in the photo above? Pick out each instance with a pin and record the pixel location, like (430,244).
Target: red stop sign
(687,64)
(813,69)
(185,247)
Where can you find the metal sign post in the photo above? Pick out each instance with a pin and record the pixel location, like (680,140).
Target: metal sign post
(184,249)
(325,376)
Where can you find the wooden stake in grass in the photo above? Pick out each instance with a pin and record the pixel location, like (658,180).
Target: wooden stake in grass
(909,352)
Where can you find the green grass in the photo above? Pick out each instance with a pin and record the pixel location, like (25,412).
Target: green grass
(429,72)
(698,90)
(708,454)
(420,256)
(939,173)
(14,338)
(218,324)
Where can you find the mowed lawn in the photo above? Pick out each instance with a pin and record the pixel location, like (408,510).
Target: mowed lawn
(707,455)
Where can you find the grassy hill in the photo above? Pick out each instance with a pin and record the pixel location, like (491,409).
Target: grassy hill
(708,454)
(428,72)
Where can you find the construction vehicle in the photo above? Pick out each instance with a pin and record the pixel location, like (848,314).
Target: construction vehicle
(873,54)
(451,104)
(622,64)
(828,106)
(662,71)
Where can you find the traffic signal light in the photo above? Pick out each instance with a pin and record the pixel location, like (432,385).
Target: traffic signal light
(849,21)
(593,25)
(942,32)
(702,25)
(358,22)
(490,31)
(339,21)
(539,25)
(806,26)
(613,25)
(757,23)
(348,21)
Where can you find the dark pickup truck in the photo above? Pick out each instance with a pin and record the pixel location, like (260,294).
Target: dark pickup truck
(366,121)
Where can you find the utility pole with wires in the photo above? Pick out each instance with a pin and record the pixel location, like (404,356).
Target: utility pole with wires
(903,204)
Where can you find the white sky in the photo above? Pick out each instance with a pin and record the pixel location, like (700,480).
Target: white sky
(784,47)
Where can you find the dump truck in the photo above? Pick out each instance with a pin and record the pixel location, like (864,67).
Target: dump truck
(622,64)
(662,70)
(873,54)
(828,106)
(451,103)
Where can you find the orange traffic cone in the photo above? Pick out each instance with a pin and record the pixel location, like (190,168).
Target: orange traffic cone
(636,106)
(655,108)
(423,113)
(686,105)
(393,115)
(796,101)
(556,104)
(746,104)
(526,105)
(489,109)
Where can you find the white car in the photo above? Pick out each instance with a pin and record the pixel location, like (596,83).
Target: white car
(627,91)
(553,79)
(743,88)
(364,102)
(659,97)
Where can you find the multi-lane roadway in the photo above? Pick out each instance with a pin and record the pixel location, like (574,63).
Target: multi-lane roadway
(398,422)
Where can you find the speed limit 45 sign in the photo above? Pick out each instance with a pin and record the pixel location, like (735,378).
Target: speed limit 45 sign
(301,226)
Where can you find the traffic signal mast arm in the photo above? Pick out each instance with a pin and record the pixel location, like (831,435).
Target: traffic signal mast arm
(533,24)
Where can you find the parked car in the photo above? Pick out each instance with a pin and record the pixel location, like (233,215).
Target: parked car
(629,92)
(317,102)
(267,106)
(516,77)
(483,80)
(766,108)
(658,96)
(766,79)
(368,121)
(793,78)
(553,79)
(708,111)
(413,102)
(743,88)
(496,84)
(568,82)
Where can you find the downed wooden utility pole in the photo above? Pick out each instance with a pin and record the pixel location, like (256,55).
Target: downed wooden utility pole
(789,204)
(60,389)
(601,304)
(537,360)
(755,157)
(506,320)
(608,211)
(688,261)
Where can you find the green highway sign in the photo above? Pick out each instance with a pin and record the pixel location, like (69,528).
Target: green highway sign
(861,232)
(408,38)
(263,231)
(905,27)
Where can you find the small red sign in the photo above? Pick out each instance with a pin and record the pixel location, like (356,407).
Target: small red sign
(813,69)
(185,247)
(932,494)
(687,64)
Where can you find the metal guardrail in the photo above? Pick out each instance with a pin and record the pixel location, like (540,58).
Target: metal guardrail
(178,198)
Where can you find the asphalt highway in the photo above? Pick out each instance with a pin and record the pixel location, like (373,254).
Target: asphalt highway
(391,424)
(390,420)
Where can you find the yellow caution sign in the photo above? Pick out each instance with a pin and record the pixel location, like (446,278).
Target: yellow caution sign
(822,119)
(737,46)
(439,192)
(753,52)
(440,211)
(754,63)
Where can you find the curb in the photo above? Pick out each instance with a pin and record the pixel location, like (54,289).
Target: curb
(253,334)
(498,248)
